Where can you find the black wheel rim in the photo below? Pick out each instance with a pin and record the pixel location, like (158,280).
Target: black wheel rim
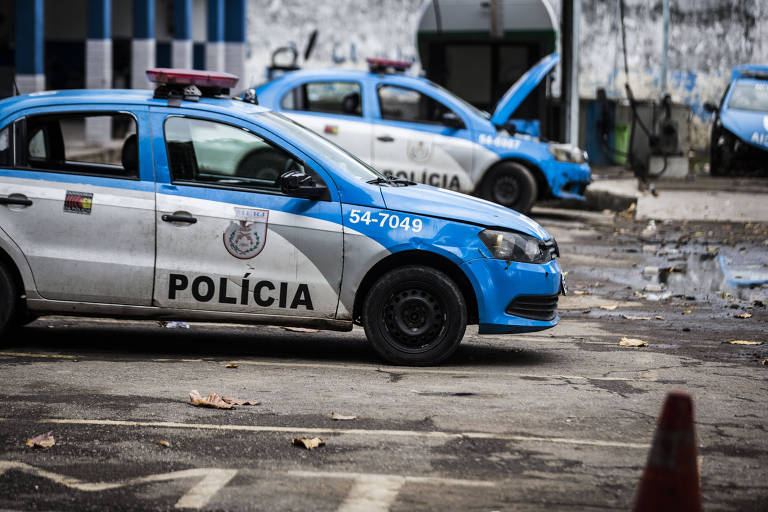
(506,190)
(414,318)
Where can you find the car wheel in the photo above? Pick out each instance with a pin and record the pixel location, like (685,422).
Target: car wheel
(7,299)
(512,185)
(415,315)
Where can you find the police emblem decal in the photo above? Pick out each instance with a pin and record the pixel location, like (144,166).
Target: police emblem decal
(419,151)
(247,234)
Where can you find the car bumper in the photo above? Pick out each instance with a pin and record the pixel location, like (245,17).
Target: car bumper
(570,180)
(514,297)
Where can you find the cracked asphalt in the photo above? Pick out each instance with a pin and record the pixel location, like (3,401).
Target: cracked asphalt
(560,419)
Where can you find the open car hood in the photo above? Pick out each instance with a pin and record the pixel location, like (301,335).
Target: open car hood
(516,94)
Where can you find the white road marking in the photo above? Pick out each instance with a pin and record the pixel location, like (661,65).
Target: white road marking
(35,354)
(197,497)
(352,431)
(376,493)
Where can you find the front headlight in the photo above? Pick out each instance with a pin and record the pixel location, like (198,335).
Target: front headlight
(512,246)
(568,153)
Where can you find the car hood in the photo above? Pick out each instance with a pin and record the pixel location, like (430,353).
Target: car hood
(447,204)
(751,127)
(516,94)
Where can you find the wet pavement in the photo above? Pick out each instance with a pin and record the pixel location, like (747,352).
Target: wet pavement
(560,419)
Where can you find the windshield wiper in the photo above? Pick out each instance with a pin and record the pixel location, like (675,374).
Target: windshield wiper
(391,181)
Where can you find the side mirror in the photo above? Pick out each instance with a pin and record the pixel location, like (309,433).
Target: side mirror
(451,119)
(301,184)
(710,107)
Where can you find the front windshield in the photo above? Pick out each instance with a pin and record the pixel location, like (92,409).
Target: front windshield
(314,143)
(749,95)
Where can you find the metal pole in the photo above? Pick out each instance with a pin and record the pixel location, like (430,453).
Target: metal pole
(573,100)
(665,48)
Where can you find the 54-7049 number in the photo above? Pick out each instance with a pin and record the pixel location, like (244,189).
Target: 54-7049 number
(386,220)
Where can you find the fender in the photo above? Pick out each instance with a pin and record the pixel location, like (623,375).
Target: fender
(9,247)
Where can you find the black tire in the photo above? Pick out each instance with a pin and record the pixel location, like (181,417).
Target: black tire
(415,316)
(715,157)
(7,300)
(512,185)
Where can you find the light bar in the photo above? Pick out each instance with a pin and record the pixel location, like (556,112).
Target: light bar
(386,64)
(184,77)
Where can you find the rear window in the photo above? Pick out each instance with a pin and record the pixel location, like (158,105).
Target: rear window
(327,97)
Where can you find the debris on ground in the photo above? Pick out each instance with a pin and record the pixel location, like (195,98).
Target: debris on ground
(609,308)
(765,362)
(630,317)
(659,317)
(212,400)
(300,329)
(632,342)
(41,441)
(581,292)
(231,365)
(744,342)
(342,417)
(236,401)
(174,325)
(586,312)
(653,288)
(743,315)
(640,294)
(308,443)
(161,442)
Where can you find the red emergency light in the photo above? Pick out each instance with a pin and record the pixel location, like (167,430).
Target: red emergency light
(385,65)
(185,77)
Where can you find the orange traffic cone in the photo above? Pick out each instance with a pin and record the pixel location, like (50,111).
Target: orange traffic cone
(671,476)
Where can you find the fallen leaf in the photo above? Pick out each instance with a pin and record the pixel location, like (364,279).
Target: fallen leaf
(744,342)
(687,311)
(41,441)
(743,315)
(300,329)
(212,400)
(659,317)
(342,417)
(231,365)
(632,342)
(161,442)
(609,308)
(309,444)
(236,401)
(630,317)
(640,294)
(765,362)
(586,312)
(581,292)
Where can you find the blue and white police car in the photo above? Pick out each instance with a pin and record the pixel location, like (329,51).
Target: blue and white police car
(739,141)
(411,128)
(195,206)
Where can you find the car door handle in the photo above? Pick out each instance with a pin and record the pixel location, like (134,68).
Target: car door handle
(385,138)
(19,200)
(179,218)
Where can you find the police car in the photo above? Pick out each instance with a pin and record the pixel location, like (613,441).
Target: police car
(739,143)
(411,128)
(200,207)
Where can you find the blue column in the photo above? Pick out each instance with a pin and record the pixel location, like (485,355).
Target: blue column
(214,46)
(30,72)
(98,63)
(235,37)
(181,47)
(143,44)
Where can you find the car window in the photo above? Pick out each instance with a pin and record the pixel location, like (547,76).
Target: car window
(95,144)
(216,153)
(6,158)
(404,104)
(327,97)
(749,95)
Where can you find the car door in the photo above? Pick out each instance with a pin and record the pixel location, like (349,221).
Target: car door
(334,109)
(412,140)
(228,238)
(82,211)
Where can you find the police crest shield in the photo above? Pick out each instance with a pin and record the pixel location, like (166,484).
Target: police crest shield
(247,234)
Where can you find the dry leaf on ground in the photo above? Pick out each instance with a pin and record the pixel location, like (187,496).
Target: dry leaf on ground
(659,317)
(212,400)
(743,315)
(308,443)
(161,442)
(300,329)
(342,417)
(765,362)
(609,308)
(744,342)
(231,365)
(632,342)
(236,401)
(42,441)
(580,292)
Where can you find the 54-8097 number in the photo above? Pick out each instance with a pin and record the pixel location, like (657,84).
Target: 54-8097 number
(386,220)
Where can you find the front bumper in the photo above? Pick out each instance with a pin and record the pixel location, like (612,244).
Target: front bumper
(507,290)
(570,180)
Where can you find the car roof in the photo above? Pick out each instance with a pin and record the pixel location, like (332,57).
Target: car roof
(118,97)
(350,74)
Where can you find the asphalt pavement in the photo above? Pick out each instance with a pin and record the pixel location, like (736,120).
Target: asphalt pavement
(557,420)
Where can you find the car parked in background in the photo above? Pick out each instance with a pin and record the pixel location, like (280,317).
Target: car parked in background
(411,128)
